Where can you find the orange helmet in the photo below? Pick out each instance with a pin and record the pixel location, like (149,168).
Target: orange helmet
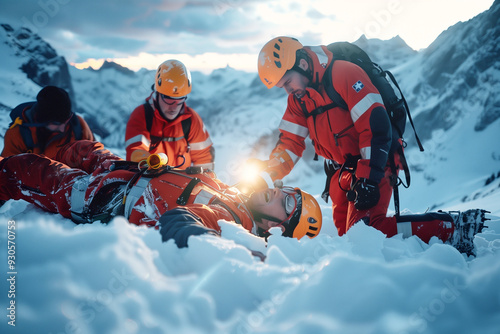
(173,79)
(275,58)
(307,218)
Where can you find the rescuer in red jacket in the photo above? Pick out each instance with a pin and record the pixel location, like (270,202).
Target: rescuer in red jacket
(45,125)
(89,183)
(165,124)
(358,139)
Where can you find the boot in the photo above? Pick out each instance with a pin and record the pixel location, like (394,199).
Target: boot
(467,224)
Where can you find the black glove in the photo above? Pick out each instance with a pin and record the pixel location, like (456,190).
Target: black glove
(367,194)
(179,224)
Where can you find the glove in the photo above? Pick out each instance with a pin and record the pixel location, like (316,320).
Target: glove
(267,174)
(367,194)
(179,224)
(279,165)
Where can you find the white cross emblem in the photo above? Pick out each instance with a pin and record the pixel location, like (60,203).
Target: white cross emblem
(358,86)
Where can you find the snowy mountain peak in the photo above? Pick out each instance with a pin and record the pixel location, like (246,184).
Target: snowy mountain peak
(461,70)
(36,58)
(107,65)
(387,53)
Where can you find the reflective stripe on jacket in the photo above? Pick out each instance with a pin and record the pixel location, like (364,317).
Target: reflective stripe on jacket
(173,143)
(364,130)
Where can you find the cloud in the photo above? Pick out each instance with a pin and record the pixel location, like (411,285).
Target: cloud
(121,29)
(314,14)
(138,25)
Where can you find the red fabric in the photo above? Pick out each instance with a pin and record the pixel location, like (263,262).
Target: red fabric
(39,180)
(137,137)
(351,136)
(345,214)
(338,134)
(427,230)
(48,184)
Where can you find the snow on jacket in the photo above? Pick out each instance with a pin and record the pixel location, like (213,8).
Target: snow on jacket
(197,149)
(363,131)
(78,183)
(210,199)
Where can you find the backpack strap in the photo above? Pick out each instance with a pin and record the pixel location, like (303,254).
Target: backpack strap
(76,127)
(396,180)
(420,146)
(27,137)
(21,118)
(155,141)
(148,114)
(330,90)
(186,127)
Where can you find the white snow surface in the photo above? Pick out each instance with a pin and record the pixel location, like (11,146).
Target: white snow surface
(120,278)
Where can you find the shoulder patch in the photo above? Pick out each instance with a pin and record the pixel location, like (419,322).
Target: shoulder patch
(358,86)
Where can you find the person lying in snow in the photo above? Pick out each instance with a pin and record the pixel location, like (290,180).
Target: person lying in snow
(88,183)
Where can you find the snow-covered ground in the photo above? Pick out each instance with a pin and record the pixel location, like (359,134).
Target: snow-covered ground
(120,278)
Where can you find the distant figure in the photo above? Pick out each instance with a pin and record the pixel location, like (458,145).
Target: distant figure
(165,124)
(44,126)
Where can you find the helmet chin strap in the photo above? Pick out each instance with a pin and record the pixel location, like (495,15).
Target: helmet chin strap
(307,74)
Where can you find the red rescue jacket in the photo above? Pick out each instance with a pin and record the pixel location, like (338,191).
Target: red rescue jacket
(364,130)
(14,142)
(199,152)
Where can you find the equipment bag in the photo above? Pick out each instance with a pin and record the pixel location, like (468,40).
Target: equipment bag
(392,96)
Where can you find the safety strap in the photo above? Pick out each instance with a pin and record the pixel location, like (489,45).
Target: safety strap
(77,199)
(396,180)
(330,168)
(134,194)
(183,198)
(237,219)
(155,141)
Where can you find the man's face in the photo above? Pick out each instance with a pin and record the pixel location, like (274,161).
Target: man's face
(294,83)
(58,126)
(170,107)
(271,202)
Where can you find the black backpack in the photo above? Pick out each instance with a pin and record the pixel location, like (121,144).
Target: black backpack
(394,100)
(155,141)
(22,117)
(392,96)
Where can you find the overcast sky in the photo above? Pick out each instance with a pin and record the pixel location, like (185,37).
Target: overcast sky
(212,34)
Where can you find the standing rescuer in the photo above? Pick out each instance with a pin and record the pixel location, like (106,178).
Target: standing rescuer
(165,124)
